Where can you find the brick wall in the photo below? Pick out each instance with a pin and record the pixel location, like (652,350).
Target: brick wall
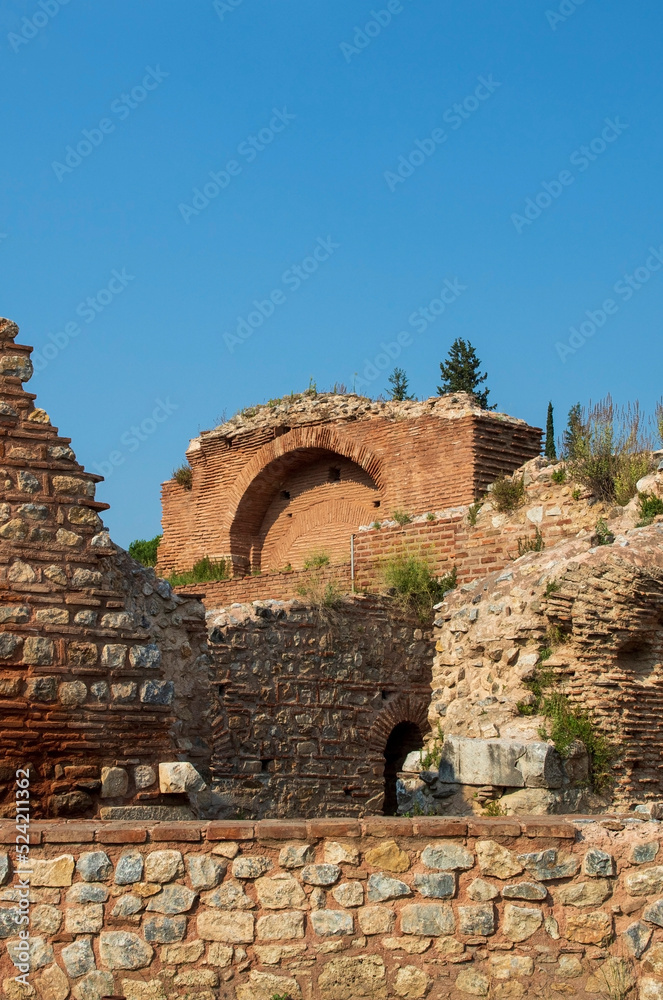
(338,910)
(269,490)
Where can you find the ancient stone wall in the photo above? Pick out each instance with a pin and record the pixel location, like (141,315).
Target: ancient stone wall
(288,480)
(103,670)
(306,701)
(339,910)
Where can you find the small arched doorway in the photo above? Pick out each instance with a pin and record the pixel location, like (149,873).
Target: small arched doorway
(403,739)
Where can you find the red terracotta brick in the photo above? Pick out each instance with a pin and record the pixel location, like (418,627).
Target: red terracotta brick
(114,833)
(76,833)
(438,826)
(333,828)
(175,831)
(542,827)
(231,830)
(493,828)
(387,826)
(281,829)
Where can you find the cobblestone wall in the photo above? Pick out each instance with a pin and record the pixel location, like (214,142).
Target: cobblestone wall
(339,910)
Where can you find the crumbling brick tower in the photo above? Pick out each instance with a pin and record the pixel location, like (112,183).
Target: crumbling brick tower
(278,482)
(103,671)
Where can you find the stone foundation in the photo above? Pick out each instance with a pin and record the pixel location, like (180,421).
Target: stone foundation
(339,910)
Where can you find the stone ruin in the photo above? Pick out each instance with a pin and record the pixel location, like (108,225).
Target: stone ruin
(103,669)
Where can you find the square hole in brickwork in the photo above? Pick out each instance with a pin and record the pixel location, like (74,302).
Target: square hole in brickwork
(285,494)
(376,503)
(265,764)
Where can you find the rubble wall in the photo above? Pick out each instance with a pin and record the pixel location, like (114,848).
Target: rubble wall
(306,699)
(339,909)
(101,665)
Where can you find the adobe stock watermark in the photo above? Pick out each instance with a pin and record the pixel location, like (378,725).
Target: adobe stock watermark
(455,117)
(566,9)
(87,309)
(122,107)
(133,438)
(248,149)
(31,26)
(223,7)
(293,279)
(596,319)
(582,158)
(419,320)
(363,36)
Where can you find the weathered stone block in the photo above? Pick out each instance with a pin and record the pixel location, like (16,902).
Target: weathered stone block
(235,927)
(148,657)
(361,977)
(321,874)
(381,888)
(281,927)
(473,983)
(520,922)
(124,950)
(388,857)
(114,782)
(178,777)
(163,866)
(584,893)
(56,872)
(157,693)
(164,930)
(205,871)
(250,867)
(546,865)
(38,651)
(264,986)
(476,919)
(129,868)
(506,966)
(654,913)
(376,920)
(231,896)
(636,938)
(128,906)
(497,860)
(332,923)
(500,762)
(427,919)
(173,899)
(340,854)
(349,894)
(598,863)
(442,886)
(645,883)
(72,693)
(87,892)
(589,928)
(640,854)
(296,855)
(525,890)
(412,983)
(88,919)
(447,857)
(78,958)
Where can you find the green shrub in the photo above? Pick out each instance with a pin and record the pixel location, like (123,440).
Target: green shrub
(316,560)
(559,475)
(145,552)
(494,808)
(430,759)
(577,493)
(401,517)
(472,513)
(430,517)
(377,525)
(320,593)
(603,534)
(507,494)
(204,571)
(650,507)
(183,476)
(551,587)
(568,723)
(535,544)
(416,589)
(612,450)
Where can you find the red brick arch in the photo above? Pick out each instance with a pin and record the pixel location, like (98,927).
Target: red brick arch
(284,455)
(405,707)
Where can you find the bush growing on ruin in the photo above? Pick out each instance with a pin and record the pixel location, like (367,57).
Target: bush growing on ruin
(559,475)
(415,587)
(568,723)
(650,507)
(205,570)
(401,517)
(535,544)
(507,494)
(183,476)
(316,560)
(399,385)
(145,551)
(611,450)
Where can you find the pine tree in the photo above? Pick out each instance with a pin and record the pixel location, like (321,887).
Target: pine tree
(460,373)
(550,449)
(399,385)
(574,434)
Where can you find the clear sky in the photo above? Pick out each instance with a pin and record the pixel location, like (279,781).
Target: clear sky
(167,165)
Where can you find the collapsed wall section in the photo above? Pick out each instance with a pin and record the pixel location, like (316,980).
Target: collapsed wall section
(103,670)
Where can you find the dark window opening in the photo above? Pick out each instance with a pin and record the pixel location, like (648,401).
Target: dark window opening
(289,515)
(334,474)
(222,689)
(347,791)
(376,503)
(385,695)
(403,739)
(264,764)
(285,494)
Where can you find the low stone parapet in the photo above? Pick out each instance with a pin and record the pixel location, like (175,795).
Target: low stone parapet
(338,909)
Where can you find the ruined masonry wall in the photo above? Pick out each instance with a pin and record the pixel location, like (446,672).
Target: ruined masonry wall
(337,909)
(306,700)
(101,665)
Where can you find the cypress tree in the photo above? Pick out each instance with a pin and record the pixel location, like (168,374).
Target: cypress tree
(461,373)
(574,434)
(550,449)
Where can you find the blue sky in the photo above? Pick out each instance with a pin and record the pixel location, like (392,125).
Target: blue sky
(305,113)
